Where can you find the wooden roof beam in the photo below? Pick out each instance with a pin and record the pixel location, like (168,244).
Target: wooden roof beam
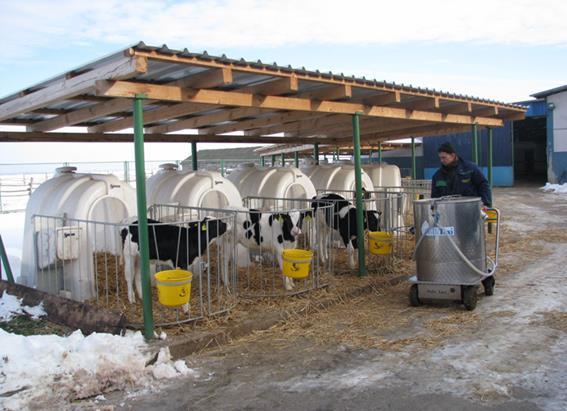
(275,87)
(486,111)
(457,108)
(14,136)
(64,89)
(151,116)
(426,103)
(384,99)
(239,99)
(339,92)
(205,120)
(206,79)
(280,118)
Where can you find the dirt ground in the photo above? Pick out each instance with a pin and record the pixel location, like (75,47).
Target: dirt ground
(377,352)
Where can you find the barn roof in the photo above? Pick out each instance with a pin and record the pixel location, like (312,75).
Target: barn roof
(234,100)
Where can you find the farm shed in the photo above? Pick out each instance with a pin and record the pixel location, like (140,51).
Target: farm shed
(162,91)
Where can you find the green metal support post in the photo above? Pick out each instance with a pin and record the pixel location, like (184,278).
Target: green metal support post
(490,175)
(283,160)
(273,160)
(380,153)
(296,159)
(144,244)
(263,161)
(475,143)
(194,160)
(5,262)
(316,152)
(336,153)
(359,204)
(222,167)
(413,162)
(370,157)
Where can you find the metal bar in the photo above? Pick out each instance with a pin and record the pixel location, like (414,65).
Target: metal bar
(273,160)
(144,244)
(296,159)
(263,161)
(222,167)
(475,143)
(194,165)
(370,157)
(379,153)
(413,162)
(316,152)
(5,262)
(283,160)
(490,175)
(126,171)
(359,204)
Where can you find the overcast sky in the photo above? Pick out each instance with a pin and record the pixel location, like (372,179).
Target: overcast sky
(503,50)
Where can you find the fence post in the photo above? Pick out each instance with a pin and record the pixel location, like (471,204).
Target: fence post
(143,230)
(413,163)
(359,205)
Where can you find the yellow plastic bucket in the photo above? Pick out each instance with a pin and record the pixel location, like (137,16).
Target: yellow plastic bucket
(174,287)
(492,216)
(380,242)
(296,263)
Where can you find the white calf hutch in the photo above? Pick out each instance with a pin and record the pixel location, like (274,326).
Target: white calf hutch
(277,182)
(53,257)
(336,177)
(207,189)
(384,175)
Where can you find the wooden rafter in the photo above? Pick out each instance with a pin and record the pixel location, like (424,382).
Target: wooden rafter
(171,93)
(14,136)
(67,88)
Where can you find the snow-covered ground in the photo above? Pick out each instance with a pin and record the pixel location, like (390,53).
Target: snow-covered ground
(555,188)
(48,371)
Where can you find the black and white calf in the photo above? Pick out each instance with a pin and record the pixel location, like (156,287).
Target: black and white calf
(342,220)
(175,245)
(271,232)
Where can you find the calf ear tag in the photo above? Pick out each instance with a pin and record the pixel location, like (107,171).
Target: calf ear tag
(307,218)
(204,227)
(280,219)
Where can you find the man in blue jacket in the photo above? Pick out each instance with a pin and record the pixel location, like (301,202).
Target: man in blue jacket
(457,176)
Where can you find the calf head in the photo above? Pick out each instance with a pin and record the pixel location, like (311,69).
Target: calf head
(290,224)
(373,220)
(213,227)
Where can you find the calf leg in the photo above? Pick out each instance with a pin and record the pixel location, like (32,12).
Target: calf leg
(288,282)
(130,260)
(351,260)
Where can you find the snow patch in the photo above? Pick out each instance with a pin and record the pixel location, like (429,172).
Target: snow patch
(11,306)
(555,188)
(49,369)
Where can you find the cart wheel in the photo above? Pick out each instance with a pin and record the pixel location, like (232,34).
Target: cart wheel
(470,297)
(414,296)
(488,284)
